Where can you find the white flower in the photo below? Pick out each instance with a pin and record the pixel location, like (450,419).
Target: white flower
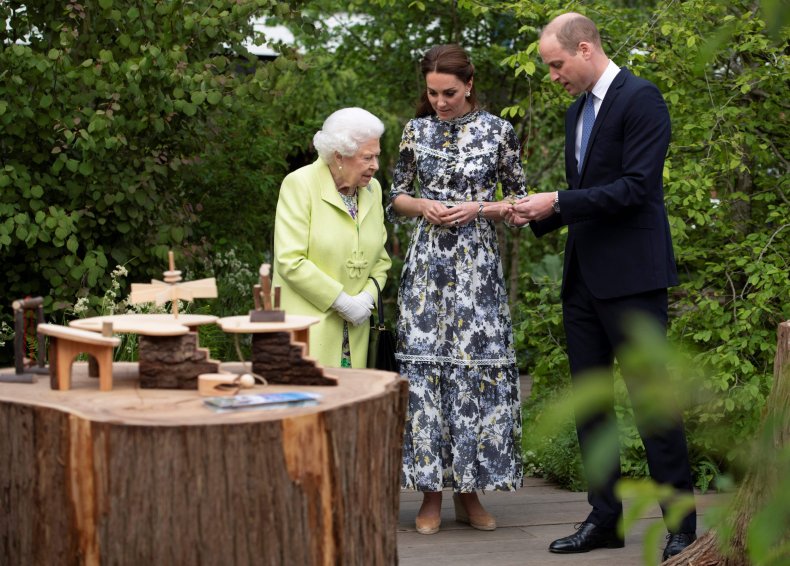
(81,305)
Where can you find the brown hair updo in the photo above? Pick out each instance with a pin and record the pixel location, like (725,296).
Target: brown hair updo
(448,59)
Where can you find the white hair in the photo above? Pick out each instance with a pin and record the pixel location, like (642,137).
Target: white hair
(344,131)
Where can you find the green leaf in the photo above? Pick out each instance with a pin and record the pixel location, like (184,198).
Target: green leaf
(46,101)
(72,245)
(177,233)
(105,4)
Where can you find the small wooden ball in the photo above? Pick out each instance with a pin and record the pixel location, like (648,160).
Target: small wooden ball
(246,381)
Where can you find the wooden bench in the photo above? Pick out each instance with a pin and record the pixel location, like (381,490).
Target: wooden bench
(67,343)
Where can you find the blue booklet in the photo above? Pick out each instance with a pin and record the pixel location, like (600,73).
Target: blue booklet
(264,401)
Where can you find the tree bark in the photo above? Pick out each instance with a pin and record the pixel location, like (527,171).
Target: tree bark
(761,479)
(140,476)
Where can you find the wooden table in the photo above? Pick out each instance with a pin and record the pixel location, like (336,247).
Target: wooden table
(148,476)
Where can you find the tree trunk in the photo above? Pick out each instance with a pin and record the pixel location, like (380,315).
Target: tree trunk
(146,476)
(761,479)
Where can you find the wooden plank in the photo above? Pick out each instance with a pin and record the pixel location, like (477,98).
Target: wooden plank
(76,335)
(242,325)
(145,324)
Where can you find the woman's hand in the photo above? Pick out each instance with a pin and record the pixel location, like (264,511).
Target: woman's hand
(433,211)
(356,309)
(458,215)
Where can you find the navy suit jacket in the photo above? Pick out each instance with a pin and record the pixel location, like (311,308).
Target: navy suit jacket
(614,208)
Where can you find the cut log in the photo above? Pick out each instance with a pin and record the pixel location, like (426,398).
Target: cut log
(173,362)
(138,476)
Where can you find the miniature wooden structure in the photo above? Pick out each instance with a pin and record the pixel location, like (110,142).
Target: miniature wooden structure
(262,296)
(138,476)
(280,349)
(67,343)
(25,371)
(169,354)
(171,289)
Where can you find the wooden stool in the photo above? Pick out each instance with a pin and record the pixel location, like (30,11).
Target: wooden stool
(66,343)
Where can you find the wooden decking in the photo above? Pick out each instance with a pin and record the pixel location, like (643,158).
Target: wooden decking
(528,520)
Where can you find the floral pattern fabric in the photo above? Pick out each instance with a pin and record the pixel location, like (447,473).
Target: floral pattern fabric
(455,337)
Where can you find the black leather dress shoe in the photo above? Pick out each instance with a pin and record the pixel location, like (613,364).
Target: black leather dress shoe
(677,543)
(588,537)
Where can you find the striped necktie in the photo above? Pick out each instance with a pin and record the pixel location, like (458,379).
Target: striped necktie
(588,119)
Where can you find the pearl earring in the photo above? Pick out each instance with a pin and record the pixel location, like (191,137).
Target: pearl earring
(468,93)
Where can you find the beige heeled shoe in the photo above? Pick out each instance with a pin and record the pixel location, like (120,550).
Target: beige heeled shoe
(428,525)
(481,521)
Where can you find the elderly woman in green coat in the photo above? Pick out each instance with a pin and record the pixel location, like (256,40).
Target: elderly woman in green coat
(329,238)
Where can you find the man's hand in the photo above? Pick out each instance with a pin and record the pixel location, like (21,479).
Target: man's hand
(533,207)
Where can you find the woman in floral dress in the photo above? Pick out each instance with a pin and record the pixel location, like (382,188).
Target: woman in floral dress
(455,338)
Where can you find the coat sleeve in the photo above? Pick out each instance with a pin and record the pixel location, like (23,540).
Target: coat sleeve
(291,242)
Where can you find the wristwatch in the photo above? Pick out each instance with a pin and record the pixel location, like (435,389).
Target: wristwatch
(480,211)
(556,204)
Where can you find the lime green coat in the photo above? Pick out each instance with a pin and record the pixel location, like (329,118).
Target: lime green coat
(320,251)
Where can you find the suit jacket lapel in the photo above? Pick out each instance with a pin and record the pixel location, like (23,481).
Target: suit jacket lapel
(571,120)
(607,103)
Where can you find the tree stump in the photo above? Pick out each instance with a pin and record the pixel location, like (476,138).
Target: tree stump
(149,476)
(760,482)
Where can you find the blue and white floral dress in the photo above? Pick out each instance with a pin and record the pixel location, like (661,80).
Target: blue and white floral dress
(455,337)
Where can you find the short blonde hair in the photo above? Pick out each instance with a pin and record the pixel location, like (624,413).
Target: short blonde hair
(344,131)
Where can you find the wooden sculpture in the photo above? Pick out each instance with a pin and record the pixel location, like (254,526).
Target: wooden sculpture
(66,343)
(280,350)
(169,354)
(171,289)
(25,370)
(262,296)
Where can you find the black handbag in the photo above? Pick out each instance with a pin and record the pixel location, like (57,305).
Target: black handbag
(381,344)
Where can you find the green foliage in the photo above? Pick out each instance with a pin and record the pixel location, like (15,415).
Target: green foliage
(550,447)
(127,130)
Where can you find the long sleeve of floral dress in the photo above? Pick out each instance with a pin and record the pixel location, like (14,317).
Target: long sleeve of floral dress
(455,338)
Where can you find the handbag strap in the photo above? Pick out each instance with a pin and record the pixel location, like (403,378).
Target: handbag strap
(379,306)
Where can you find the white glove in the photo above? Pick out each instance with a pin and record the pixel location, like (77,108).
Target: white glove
(366,300)
(353,309)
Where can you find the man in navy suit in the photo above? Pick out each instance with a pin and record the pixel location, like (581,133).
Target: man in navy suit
(618,255)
